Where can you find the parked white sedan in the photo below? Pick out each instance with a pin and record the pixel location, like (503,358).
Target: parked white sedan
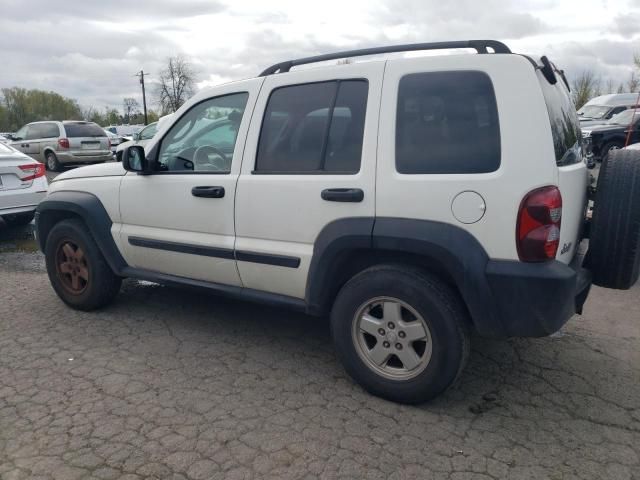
(22,185)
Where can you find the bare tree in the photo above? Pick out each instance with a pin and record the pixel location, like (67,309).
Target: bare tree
(129,106)
(610,87)
(633,83)
(584,87)
(177,84)
(620,88)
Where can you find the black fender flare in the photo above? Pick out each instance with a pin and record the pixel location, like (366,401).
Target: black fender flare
(454,250)
(86,206)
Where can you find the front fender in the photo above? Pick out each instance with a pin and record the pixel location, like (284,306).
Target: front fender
(88,208)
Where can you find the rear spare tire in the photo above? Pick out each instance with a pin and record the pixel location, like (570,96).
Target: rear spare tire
(614,246)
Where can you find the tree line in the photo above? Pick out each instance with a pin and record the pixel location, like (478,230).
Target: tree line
(588,85)
(19,106)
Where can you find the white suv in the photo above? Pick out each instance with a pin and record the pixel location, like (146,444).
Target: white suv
(408,198)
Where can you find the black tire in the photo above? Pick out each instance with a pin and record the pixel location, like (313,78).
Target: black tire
(51,162)
(614,245)
(19,219)
(608,147)
(119,156)
(101,285)
(440,307)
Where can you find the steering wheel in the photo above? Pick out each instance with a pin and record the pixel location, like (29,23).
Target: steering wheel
(203,161)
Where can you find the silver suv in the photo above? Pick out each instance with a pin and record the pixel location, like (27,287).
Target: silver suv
(63,143)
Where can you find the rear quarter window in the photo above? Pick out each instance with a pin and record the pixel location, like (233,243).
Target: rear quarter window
(565,126)
(447,122)
(83,130)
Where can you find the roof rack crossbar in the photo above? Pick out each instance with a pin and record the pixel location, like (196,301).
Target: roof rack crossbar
(481,46)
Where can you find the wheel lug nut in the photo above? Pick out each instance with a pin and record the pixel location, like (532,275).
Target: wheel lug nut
(399,346)
(402,334)
(391,325)
(386,344)
(381,331)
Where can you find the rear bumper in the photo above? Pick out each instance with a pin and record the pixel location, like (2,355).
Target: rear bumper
(20,201)
(535,300)
(72,157)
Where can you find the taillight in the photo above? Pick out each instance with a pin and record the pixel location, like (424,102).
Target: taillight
(63,142)
(33,171)
(538,229)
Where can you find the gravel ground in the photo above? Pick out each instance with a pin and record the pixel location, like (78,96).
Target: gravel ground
(170,383)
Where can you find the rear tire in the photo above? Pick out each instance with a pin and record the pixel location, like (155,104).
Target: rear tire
(77,270)
(608,148)
(51,162)
(19,219)
(614,246)
(419,302)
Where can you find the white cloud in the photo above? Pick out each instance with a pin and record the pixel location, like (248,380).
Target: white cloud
(90,51)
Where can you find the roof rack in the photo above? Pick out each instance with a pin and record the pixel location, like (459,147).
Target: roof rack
(481,46)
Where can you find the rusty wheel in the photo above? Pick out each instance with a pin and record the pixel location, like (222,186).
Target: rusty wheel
(72,267)
(78,271)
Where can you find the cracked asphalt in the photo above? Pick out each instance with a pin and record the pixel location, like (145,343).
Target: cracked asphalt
(177,384)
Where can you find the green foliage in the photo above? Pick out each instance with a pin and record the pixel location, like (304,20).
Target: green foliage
(19,106)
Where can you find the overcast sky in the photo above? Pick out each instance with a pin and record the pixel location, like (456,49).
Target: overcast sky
(89,50)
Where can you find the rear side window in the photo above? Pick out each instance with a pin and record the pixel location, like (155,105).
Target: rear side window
(83,130)
(49,130)
(315,127)
(565,126)
(447,122)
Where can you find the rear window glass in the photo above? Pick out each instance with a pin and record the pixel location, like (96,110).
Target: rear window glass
(83,130)
(316,127)
(565,126)
(447,122)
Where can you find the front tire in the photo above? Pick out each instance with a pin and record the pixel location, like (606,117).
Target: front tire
(52,163)
(77,269)
(608,148)
(400,333)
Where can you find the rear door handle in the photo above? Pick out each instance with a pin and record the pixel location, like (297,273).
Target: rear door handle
(342,195)
(208,192)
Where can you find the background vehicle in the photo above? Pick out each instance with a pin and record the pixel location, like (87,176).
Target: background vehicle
(139,138)
(4,139)
(124,130)
(114,140)
(63,143)
(349,191)
(22,185)
(612,135)
(600,109)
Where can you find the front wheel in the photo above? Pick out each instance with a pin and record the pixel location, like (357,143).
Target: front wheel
(77,270)
(401,333)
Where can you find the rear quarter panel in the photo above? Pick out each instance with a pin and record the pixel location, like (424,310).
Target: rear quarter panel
(527,155)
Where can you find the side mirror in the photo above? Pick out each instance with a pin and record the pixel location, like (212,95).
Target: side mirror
(136,137)
(134,160)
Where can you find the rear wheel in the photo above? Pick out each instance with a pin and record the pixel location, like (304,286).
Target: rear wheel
(400,333)
(51,162)
(77,270)
(614,245)
(18,219)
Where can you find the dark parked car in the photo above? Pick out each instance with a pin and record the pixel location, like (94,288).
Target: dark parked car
(611,135)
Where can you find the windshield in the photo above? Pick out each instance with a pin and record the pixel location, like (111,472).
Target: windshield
(624,118)
(594,111)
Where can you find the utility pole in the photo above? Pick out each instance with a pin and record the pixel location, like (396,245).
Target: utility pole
(141,74)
